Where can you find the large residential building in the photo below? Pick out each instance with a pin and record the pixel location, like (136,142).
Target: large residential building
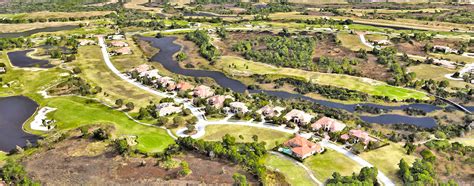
(301,147)
(270,111)
(118,44)
(238,107)
(203,91)
(184,86)
(298,116)
(217,101)
(328,124)
(357,135)
(165,109)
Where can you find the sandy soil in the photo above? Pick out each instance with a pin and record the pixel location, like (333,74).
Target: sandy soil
(86,162)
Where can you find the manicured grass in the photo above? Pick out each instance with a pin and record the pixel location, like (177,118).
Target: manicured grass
(97,73)
(270,137)
(352,41)
(375,37)
(323,165)
(294,174)
(73,112)
(453,57)
(373,87)
(424,71)
(386,159)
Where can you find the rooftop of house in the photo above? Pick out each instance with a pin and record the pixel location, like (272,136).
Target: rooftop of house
(301,146)
(301,115)
(332,124)
(270,110)
(183,86)
(203,91)
(118,43)
(124,50)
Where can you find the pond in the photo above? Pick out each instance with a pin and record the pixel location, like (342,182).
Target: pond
(168,48)
(21,59)
(38,30)
(14,111)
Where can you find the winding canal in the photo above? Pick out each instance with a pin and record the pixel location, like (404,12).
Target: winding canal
(168,48)
(14,111)
(38,30)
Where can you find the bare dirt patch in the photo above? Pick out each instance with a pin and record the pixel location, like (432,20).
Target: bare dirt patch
(77,162)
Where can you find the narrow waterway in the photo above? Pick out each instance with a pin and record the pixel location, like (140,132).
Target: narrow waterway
(14,111)
(168,48)
(38,30)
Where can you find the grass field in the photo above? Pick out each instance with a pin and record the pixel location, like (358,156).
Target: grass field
(453,57)
(96,72)
(289,169)
(386,159)
(375,37)
(424,71)
(3,156)
(369,86)
(323,165)
(216,132)
(73,112)
(466,140)
(352,41)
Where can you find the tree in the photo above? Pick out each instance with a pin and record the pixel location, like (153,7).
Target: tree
(100,134)
(185,169)
(181,56)
(76,70)
(240,179)
(428,155)
(119,102)
(178,120)
(130,106)
(255,138)
(122,146)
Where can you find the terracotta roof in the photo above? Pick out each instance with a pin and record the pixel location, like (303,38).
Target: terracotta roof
(203,91)
(183,86)
(217,100)
(362,135)
(301,146)
(302,116)
(118,44)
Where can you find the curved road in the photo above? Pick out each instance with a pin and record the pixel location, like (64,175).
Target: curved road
(201,119)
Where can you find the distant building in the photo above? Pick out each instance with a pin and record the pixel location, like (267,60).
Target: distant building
(298,117)
(217,101)
(269,111)
(301,147)
(122,51)
(328,124)
(118,44)
(445,49)
(184,86)
(357,135)
(116,37)
(165,109)
(86,42)
(238,107)
(444,63)
(203,91)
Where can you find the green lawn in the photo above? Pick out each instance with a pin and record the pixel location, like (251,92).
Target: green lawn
(323,165)
(73,112)
(375,37)
(425,71)
(352,41)
(289,169)
(246,68)
(3,157)
(216,132)
(386,159)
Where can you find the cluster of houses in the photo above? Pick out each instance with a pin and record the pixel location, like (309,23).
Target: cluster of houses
(117,41)
(299,146)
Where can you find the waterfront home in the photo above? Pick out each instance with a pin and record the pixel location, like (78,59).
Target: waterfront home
(301,147)
(165,109)
(269,111)
(298,116)
(171,86)
(328,124)
(203,91)
(141,68)
(238,107)
(184,86)
(116,37)
(150,73)
(356,135)
(217,101)
(445,49)
(122,51)
(382,42)
(165,81)
(118,44)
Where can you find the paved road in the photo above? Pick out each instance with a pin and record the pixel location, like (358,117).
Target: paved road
(202,122)
(310,173)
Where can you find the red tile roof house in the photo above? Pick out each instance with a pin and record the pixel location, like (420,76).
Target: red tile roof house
(358,135)
(141,68)
(328,124)
(217,101)
(269,111)
(298,117)
(184,86)
(203,91)
(302,148)
(165,81)
(122,51)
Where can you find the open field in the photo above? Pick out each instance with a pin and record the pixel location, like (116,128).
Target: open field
(352,41)
(453,57)
(373,87)
(424,71)
(466,140)
(289,169)
(270,137)
(323,165)
(73,112)
(96,72)
(375,37)
(386,159)
(45,15)
(126,62)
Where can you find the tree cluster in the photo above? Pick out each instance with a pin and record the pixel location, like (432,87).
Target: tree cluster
(367,176)
(202,39)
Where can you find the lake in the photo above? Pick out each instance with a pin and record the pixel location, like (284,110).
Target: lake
(38,30)
(14,111)
(21,59)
